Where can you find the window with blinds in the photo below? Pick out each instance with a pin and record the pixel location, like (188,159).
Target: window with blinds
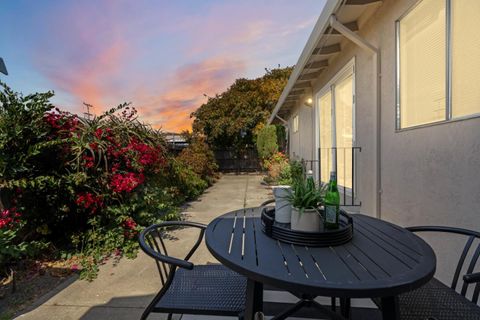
(465,57)
(422,55)
(437,55)
(325,125)
(344,131)
(335,123)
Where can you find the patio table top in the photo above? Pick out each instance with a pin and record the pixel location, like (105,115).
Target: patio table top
(382,259)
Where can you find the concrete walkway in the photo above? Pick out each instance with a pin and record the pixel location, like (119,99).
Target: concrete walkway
(123,291)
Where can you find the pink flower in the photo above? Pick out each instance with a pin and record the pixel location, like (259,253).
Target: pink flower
(126,182)
(9,218)
(89,201)
(99,133)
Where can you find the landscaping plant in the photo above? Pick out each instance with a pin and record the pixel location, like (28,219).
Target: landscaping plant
(78,187)
(267,141)
(306,195)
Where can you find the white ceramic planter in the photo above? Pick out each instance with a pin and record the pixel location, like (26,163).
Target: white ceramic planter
(310,220)
(283,208)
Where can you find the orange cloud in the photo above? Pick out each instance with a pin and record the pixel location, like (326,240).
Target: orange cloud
(185,93)
(88,52)
(118,51)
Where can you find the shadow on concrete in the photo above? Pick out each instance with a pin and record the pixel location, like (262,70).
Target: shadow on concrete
(39,285)
(121,308)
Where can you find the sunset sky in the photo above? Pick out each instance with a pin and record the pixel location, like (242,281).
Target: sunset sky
(162,56)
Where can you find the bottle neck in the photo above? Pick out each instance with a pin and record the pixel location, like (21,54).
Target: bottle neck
(333,181)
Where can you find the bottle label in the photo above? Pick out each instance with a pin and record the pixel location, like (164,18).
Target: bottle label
(331,214)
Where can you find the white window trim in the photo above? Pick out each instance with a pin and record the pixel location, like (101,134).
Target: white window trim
(296,123)
(343,73)
(448,68)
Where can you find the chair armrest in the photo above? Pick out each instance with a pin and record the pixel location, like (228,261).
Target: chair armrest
(182,263)
(170,260)
(472,277)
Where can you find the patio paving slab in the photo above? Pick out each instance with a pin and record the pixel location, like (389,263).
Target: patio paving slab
(123,291)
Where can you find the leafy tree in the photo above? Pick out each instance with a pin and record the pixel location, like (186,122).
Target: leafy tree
(248,102)
(267,141)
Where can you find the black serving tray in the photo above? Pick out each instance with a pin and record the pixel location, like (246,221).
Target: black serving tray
(326,238)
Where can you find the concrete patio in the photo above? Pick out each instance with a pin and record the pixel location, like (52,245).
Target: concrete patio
(123,291)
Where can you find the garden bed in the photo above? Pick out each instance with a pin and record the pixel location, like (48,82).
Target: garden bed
(83,188)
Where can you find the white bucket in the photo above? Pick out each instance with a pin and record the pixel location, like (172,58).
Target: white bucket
(283,208)
(309,220)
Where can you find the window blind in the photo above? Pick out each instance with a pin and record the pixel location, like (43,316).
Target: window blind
(422,59)
(325,121)
(465,57)
(344,130)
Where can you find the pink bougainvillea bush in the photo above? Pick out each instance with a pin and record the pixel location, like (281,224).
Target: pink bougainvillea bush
(82,186)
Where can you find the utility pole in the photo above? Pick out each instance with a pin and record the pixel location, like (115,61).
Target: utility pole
(3,69)
(87,114)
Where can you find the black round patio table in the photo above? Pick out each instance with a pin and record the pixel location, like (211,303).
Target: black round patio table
(382,261)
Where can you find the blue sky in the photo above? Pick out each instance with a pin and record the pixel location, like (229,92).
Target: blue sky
(160,55)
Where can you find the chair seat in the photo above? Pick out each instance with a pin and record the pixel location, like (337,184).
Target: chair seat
(203,290)
(438,301)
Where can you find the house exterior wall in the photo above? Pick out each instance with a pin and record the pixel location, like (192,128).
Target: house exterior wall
(430,175)
(301,141)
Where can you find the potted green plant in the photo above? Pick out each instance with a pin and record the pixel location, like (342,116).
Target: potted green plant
(306,200)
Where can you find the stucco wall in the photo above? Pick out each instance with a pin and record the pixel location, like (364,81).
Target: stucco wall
(301,142)
(430,175)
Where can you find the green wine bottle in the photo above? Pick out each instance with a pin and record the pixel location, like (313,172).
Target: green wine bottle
(332,203)
(310,180)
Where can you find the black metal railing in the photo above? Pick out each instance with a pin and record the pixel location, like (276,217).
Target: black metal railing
(342,160)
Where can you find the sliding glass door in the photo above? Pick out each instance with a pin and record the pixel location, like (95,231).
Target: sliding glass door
(335,106)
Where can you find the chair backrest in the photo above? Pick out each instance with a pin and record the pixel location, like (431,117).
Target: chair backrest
(152,239)
(471,236)
(267,202)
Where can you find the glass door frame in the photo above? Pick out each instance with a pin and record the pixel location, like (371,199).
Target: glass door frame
(345,72)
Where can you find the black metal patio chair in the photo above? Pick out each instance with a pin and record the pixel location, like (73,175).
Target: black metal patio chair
(188,288)
(438,301)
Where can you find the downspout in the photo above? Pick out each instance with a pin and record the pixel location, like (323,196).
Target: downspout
(287,133)
(362,43)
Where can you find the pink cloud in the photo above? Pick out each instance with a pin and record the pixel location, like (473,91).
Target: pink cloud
(118,52)
(185,93)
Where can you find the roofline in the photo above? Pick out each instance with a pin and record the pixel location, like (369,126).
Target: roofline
(331,6)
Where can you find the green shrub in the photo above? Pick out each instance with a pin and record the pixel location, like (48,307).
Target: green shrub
(291,172)
(190,184)
(11,248)
(281,137)
(200,158)
(84,186)
(267,141)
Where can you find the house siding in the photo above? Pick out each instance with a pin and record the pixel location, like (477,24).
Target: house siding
(430,175)
(301,141)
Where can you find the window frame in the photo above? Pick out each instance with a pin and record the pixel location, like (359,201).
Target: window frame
(448,76)
(296,123)
(348,69)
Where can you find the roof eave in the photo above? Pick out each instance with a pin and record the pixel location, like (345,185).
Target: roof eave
(331,7)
